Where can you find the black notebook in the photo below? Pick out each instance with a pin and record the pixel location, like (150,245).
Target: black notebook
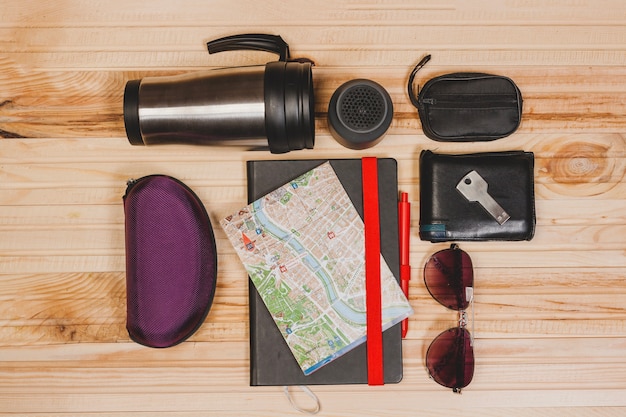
(271,361)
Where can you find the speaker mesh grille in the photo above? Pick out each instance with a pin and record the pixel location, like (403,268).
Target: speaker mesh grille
(362,108)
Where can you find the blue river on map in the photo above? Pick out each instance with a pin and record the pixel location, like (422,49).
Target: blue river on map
(343,309)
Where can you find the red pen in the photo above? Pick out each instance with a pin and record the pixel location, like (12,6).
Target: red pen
(404,217)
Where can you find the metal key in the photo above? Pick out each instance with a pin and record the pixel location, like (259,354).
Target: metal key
(474,189)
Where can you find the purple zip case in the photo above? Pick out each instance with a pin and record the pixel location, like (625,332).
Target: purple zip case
(171,261)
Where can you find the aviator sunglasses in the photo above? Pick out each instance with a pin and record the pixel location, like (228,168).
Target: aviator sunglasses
(449,277)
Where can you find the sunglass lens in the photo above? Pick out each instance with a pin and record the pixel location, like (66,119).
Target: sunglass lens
(450,359)
(449,277)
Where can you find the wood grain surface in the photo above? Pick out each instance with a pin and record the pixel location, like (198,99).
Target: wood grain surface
(550,314)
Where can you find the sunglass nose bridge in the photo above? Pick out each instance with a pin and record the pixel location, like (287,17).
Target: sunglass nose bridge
(464,320)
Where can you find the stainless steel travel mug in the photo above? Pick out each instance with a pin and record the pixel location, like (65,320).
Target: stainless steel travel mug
(256,106)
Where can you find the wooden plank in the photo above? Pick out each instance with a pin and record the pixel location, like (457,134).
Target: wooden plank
(251,400)
(484,412)
(68,105)
(102,213)
(308,39)
(93,240)
(188,12)
(66,262)
(403,147)
(566,160)
(549,303)
(160,380)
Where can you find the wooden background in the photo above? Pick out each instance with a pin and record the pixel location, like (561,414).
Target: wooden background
(550,314)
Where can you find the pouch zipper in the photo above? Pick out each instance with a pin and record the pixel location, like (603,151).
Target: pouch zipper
(512,97)
(473,101)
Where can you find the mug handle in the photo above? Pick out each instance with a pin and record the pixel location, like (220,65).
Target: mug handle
(252,41)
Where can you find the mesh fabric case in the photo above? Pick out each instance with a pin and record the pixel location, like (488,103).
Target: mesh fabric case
(171,261)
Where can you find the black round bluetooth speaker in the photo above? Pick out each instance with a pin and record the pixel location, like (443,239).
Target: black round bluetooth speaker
(359,113)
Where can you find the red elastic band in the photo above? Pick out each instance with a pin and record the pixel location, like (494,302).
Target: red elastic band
(371,219)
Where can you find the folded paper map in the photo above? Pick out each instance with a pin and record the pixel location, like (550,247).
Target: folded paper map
(303,247)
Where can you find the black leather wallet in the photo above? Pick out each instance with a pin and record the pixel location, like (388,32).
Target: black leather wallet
(481,196)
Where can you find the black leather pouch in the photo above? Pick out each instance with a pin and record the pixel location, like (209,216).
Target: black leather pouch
(467,107)
(446,213)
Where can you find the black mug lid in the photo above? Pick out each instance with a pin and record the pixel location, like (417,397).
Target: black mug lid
(288,85)
(289,106)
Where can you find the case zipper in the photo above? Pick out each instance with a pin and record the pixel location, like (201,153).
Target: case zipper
(129,185)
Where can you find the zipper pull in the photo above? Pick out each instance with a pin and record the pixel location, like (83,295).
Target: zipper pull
(411,90)
(129,184)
